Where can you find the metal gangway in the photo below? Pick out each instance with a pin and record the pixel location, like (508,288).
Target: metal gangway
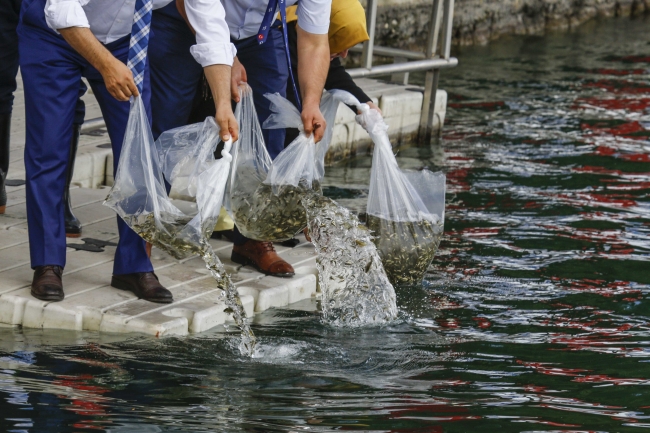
(436,57)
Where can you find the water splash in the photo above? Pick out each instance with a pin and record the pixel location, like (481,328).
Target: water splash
(231,298)
(356,290)
(172,241)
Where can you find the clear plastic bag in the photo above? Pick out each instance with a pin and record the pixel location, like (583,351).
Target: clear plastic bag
(406,209)
(264,195)
(185,156)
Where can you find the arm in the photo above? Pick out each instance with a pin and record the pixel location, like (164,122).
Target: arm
(218,77)
(213,50)
(313,60)
(238,75)
(313,64)
(68,18)
(338,78)
(118,78)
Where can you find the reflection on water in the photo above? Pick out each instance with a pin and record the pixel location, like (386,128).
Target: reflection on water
(534,316)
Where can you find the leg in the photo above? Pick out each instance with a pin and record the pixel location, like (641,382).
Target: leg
(267,70)
(51,77)
(72,223)
(131,255)
(9,11)
(175,75)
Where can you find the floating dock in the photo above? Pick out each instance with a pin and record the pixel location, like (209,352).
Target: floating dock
(91,304)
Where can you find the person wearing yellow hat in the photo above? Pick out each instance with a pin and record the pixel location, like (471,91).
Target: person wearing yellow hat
(347,29)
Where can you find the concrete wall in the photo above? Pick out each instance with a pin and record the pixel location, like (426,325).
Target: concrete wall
(404,23)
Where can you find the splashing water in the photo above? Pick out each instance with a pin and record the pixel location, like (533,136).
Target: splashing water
(231,298)
(356,290)
(173,242)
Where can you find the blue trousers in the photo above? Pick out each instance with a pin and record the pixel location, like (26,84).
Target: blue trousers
(51,71)
(175,75)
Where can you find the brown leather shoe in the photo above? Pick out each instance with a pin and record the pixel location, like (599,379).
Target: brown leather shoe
(144,285)
(47,284)
(262,256)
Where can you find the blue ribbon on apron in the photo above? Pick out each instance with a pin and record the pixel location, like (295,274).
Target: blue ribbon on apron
(264,32)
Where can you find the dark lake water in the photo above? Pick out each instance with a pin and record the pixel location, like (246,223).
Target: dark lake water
(535,315)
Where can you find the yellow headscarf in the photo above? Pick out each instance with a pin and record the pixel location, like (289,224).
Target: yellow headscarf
(347,24)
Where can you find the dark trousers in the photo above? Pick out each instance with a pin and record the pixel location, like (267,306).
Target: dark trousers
(9,11)
(175,76)
(51,71)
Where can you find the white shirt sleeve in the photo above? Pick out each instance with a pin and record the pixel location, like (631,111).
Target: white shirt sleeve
(61,14)
(208,18)
(314,16)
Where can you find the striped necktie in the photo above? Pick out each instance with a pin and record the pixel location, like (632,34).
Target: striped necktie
(140,40)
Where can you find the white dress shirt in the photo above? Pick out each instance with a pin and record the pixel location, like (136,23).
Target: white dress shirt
(244,17)
(110,20)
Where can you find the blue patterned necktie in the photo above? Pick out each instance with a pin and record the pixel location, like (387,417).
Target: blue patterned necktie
(262,34)
(140,40)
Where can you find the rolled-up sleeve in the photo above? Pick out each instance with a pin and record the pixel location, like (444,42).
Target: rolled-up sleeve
(208,18)
(61,14)
(314,16)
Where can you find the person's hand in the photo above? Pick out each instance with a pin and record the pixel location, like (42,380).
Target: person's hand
(119,80)
(237,76)
(227,123)
(313,121)
(373,106)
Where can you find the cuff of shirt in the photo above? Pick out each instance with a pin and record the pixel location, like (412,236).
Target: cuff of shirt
(314,29)
(214,53)
(66,14)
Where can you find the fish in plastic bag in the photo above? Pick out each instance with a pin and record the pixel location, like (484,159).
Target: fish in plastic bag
(264,195)
(406,209)
(185,157)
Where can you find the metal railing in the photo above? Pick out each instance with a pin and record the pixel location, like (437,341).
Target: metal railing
(436,57)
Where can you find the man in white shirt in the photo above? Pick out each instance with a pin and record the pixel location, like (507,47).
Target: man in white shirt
(59,42)
(263,65)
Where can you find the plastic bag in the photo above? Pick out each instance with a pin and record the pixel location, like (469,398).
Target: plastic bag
(185,156)
(264,196)
(406,209)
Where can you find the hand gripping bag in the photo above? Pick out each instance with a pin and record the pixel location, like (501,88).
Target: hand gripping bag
(406,209)
(265,196)
(185,156)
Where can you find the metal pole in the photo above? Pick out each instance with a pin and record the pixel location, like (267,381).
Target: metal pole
(392,68)
(445,50)
(429,96)
(449,21)
(400,77)
(371,23)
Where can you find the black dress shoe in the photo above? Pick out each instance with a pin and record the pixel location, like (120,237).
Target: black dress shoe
(144,285)
(47,284)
